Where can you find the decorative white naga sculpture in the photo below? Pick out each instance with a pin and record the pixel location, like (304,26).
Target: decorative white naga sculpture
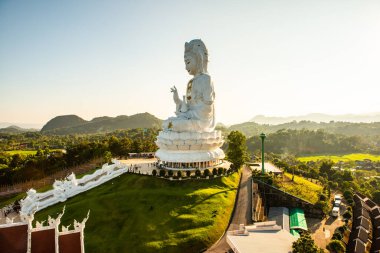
(189,140)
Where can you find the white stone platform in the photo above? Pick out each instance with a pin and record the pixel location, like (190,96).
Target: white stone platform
(190,149)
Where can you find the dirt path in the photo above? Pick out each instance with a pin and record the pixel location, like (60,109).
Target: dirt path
(242,214)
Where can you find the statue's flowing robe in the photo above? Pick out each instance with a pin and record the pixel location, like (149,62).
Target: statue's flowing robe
(200,116)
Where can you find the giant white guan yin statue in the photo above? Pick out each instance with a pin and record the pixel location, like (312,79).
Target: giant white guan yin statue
(190,136)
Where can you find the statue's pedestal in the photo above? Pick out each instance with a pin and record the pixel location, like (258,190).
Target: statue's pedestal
(189,150)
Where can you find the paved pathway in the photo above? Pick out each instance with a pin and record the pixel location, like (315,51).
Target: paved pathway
(242,214)
(323,230)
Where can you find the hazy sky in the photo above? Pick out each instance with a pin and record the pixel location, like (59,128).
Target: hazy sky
(277,58)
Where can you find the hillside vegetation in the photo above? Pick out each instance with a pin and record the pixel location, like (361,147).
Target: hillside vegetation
(135,213)
(72,124)
(310,142)
(343,128)
(300,187)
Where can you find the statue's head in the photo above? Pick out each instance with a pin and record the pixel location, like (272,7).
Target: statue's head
(196,57)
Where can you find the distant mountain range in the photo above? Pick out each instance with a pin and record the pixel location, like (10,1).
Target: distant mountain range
(21,125)
(344,128)
(339,124)
(73,124)
(318,117)
(16,130)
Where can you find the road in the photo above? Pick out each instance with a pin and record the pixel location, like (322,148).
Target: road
(242,213)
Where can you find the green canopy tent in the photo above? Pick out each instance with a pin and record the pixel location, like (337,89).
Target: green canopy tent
(297,219)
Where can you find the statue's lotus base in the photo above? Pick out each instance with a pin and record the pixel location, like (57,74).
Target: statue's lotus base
(189,156)
(189,150)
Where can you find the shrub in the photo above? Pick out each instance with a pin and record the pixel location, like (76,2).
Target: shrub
(348,194)
(214,171)
(350,202)
(162,173)
(341,229)
(305,244)
(323,206)
(220,171)
(336,246)
(337,236)
(179,174)
(198,173)
(206,172)
(154,172)
(322,197)
(347,215)
(170,173)
(188,173)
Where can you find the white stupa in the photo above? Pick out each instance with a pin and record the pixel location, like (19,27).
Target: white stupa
(189,140)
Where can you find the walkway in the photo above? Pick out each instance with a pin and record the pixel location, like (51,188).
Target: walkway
(242,214)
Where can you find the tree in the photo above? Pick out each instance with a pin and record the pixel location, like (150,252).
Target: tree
(348,194)
(376,197)
(323,206)
(107,156)
(237,148)
(206,172)
(322,197)
(336,246)
(154,173)
(305,244)
(325,167)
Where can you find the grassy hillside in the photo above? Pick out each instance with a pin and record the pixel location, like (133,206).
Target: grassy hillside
(300,187)
(135,213)
(344,158)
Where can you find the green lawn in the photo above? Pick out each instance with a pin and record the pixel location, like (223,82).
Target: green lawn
(135,213)
(300,187)
(344,158)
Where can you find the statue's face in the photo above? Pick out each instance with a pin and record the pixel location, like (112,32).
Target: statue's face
(191,64)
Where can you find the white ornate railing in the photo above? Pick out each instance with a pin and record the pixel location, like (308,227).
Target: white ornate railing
(70,186)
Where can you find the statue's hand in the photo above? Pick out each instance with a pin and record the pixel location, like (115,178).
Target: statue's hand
(174,89)
(175,94)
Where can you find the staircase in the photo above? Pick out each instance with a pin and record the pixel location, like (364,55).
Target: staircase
(258,210)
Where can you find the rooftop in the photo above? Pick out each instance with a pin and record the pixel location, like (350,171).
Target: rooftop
(297,219)
(356,247)
(359,233)
(279,241)
(280,215)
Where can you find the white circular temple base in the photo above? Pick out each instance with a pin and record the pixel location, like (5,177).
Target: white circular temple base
(189,150)
(190,156)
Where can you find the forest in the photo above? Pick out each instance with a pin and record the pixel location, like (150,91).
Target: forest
(81,148)
(75,150)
